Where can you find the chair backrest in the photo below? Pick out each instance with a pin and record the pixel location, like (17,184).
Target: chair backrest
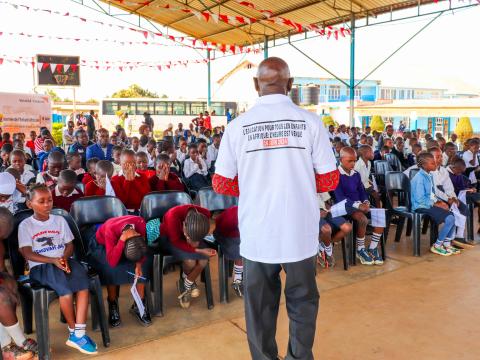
(156,204)
(397,183)
(381,167)
(413,172)
(79,248)
(212,201)
(394,162)
(96,209)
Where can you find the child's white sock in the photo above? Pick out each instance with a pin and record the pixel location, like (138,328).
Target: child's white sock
(188,284)
(80,330)
(375,240)
(438,243)
(447,242)
(360,243)
(70,330)
(237,272)
(5,338)
(329,250)
(16,333)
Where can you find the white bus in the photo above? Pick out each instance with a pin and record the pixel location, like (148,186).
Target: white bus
(163,111)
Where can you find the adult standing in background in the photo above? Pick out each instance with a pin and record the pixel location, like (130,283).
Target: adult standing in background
(276,156)
(148,120)
(90,124)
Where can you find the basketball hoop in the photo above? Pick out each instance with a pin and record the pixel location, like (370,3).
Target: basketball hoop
(61,79)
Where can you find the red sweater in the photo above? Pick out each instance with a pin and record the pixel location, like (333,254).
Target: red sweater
(109,234)
(91,189)
(148,173)
(131,192)
(226,224)
(172,225)
(173,183)
(30,145)
(86,178)
(63,202)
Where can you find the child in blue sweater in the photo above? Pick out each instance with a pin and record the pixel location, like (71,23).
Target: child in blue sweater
(424,201)
(357,206)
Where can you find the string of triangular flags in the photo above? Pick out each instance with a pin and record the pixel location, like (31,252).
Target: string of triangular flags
(146,34)
(241,20)
(98,64)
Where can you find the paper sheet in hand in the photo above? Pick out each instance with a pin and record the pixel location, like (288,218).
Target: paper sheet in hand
(338,209)
(109,188)
(462,196)
(472,177)
(210,238)
(378,217)
(136,297)
(459,218)
(374,184)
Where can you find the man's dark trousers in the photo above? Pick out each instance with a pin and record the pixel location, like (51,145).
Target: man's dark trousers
(262,288)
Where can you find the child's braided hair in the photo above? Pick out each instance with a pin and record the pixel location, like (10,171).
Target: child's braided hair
(422,159)
(196,225)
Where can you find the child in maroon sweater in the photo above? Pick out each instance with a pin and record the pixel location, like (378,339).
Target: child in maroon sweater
(130,186)
(65,193)
(103,170)
(141,159)
(228,236)
(90,174)
(181,234)
(164,179)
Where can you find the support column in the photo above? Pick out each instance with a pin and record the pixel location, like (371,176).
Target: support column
(265,47)
(209,89)
(352,72)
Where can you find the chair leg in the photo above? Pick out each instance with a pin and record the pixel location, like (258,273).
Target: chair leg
(400,225)
(157,279)
(26,303)
(382,245)
(470,231)
(409,227)
(40,305)
(417,233)
(208,286)
(98,309)
(345,255)
(159,300)
(221,276)
(426,222)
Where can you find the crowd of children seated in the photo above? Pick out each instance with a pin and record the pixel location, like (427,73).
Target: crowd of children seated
(40,175)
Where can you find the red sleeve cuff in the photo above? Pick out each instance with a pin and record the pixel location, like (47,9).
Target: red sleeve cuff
(327,182)
(225,186)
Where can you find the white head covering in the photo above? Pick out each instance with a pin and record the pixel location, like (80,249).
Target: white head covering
(7,183)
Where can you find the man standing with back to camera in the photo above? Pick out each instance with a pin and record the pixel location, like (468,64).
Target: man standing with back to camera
(276,156)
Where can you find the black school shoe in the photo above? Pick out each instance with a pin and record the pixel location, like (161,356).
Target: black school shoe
(114,314)
(144,320)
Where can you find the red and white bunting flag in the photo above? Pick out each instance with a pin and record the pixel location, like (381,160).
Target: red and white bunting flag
(53,67)
(40,66)
(59,68)
(66,67)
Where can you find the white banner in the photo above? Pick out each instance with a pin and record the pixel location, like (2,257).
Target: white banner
(24,112)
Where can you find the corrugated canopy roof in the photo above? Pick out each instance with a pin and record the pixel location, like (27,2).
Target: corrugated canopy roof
(187,17)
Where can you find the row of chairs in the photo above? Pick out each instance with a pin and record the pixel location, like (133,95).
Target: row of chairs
(87,212)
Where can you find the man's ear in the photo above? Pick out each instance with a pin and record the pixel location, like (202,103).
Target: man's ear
(29,204)
(255,82)
(289,85)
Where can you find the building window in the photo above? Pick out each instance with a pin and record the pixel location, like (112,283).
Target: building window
(334,92)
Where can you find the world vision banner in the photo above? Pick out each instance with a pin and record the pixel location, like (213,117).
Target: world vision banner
(24,112)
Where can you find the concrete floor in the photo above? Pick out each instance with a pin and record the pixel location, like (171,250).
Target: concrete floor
(410,308)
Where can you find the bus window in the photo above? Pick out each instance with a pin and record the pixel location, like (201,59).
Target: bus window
(219,109)
(197,108)
(178,108)
(110,107)
(125,107)
(161,108)
(143,107)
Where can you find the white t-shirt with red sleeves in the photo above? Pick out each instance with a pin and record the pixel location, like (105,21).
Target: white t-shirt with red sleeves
(275,149)
(47,238)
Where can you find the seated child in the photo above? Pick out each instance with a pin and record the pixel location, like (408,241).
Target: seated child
(14,343)
(227,236)
(357,206)
(449,154)
(181,234)
(195,170)
(364,167)
(424,201)
(43,155)
(141,160)
(412,158)
(7,188)
(5,152)
(380,155)
(120,251)
(399,151)
(130,186)
(332,230)
(18,196)
(175,165)
(116,152)
(65,192)
(74,161)
(164,179)
(182,150)
(90,175)
(46,242)
(151,153)
(98,187)
(135,144)
(56,163)
(18,162)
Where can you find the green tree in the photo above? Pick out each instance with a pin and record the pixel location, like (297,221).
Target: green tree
(134,91)
(53,95)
